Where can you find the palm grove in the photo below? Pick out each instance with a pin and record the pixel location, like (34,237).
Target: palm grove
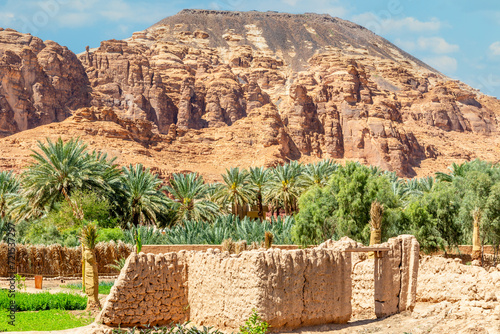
(68,187)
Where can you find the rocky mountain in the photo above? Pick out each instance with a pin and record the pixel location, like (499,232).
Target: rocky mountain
(220,89)
(40,82)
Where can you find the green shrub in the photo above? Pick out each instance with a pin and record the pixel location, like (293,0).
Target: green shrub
(254,325)
(43,301)
(177,329)
(108,234)
(104,287)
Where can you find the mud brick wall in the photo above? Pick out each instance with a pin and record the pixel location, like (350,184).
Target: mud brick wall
(151,290)
(396,276)
(363,289)
(287,288)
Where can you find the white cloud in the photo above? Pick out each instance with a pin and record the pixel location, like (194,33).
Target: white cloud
(396,25)
(495,49)
(444,64)
(290,2)
(6,19)
(406,45)
(436,45)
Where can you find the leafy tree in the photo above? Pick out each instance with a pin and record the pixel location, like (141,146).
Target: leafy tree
(144,197)
(356,187)
(423,227)
(491,218)
(342,208)
(190,201)
(315,220)
(443,206)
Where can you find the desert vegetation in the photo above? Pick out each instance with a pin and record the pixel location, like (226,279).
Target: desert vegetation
(67,186)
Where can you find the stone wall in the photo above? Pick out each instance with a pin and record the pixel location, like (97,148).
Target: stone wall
(151,289)
(288,288)
(396,276)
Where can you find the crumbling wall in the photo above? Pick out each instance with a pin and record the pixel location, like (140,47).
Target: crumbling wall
(287,288)
(363,288)
(396,276)
(150,290)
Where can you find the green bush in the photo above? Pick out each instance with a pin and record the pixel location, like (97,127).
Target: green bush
(254,325)
(104,287)
(43,301)
(177,329)
(108,234)
(342,207)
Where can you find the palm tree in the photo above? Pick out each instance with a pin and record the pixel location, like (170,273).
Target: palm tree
(235,188)
(259,178)
(143,195)
(190,194)
(318,173)
(61,168)
(285,185)
(9,186)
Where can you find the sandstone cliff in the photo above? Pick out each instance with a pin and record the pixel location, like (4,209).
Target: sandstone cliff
(214,89)
(40,82)
(340,91)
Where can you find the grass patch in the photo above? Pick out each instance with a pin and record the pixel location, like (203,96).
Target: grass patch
(104,287)
(43,301)
(49,320)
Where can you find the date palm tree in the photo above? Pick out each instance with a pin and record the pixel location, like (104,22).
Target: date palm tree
(190,197)
(318,173)
(235,189)
(259,178)
(286,185)
(9,187)
(143,195)
(59,168)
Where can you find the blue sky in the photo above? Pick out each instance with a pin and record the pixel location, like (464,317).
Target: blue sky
(461,38)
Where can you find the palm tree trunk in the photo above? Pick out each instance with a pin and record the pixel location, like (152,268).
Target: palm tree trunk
(77,211)
(259,202)
(135,220)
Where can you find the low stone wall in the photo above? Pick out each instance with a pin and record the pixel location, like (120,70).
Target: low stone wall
(151,289)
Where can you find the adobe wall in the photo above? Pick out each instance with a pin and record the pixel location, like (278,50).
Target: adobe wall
(396,276)
(288,289)
(151,289)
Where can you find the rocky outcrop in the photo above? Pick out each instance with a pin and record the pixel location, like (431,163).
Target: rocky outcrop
(209,88)
(340,91)
(40,82)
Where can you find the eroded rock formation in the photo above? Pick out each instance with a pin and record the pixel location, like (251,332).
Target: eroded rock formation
(202,90)
(40,82)
(340,90)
